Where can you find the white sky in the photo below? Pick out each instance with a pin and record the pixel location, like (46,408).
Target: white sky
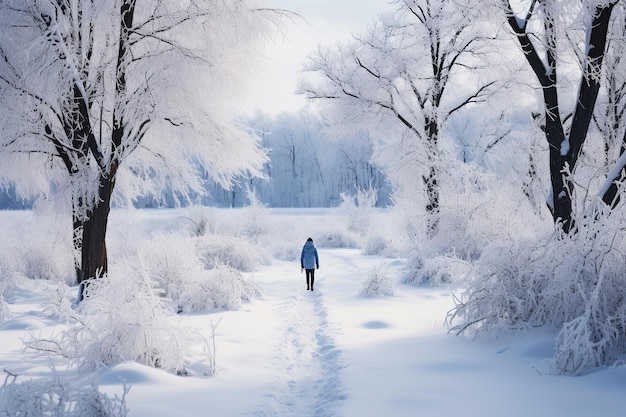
(327,21)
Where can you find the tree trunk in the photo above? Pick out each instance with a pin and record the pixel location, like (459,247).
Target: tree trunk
(561,204)
(77,244)
(94,251)
(431,184)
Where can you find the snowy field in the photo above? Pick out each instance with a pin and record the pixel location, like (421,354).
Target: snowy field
(292,352)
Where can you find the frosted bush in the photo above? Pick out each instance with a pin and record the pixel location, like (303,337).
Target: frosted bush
(221,288)
(437,270)
(122,319)
(359,207)
(412,271)
(219,244)
(238,253)
(50,261)
(5,311)
(37,259)
(53,396)
(375,244)
(249,222)
(199,221)
(6,267)
(34,248)
(254,218)
(286,250)
(575,284)
(377,284)
(589,341)
(191,273)
(11,284)
(169,261)
(335,239)
(57,302)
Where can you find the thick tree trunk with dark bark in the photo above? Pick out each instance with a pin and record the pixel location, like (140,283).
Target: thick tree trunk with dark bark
(94,250)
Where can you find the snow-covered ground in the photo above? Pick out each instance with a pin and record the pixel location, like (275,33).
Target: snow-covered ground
(332,352)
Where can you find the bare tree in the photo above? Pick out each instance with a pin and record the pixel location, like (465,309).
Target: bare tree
(93,92)
(398,80)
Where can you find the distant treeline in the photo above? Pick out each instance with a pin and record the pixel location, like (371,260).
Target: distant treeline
(306,167)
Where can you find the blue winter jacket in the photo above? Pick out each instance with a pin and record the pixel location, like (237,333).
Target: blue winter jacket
(309,258)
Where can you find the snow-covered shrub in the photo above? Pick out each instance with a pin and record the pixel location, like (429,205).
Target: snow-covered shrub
(286,250)
(249,222)
(58,302)
(375,244)
(575,284)
(5,311)
(377,284)
(41,259)
(59,397)
(201,273)
(236,252)
(412,270)
(335,239)
(122,319)
(385,236)
(359,207)
(221,287)
(254,218)
(437,270)
(170,262)
(198,221)
(34,248)
(7,263)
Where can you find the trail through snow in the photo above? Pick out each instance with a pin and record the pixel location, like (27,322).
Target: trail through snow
(306,352)
(323,340)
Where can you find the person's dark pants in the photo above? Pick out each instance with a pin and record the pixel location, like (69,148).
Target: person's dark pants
(310,277)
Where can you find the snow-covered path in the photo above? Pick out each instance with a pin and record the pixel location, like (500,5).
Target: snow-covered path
(312,330)
(309,362)
(307,355)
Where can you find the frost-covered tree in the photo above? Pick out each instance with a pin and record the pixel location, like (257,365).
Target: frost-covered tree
(403,80)
(571,283)
(549,33)
(97,96)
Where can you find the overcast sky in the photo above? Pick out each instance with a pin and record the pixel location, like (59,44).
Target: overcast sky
(325,22)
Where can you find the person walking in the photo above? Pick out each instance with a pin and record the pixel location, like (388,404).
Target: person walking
(309,261)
